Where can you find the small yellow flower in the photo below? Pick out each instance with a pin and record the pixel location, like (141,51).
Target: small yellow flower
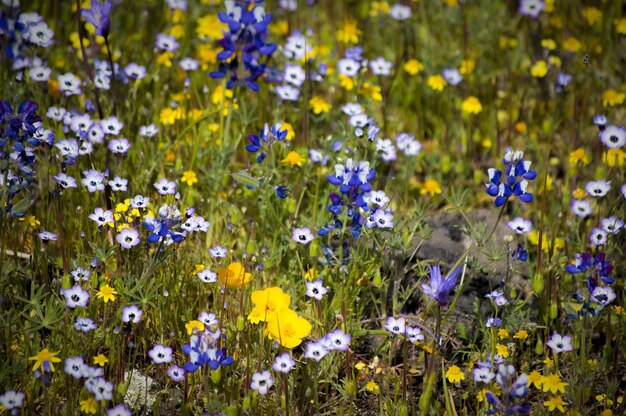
(379,7)
(579,193)
(349,33)
(553,384)
(502,350)
(359,366)
(467,66)
(319,105)
(454,374)
(503,333)
(346,82)
(592,15)
(373,387)
(293,159)
(189,177)
(430,187)
(579,156)
(311,274)
(471,105)
(521,334)
(168,116)
(612,98)
(89,405)
(620,26)
(198,268)
(106,293)
(436,82)
(234,275)
(571,44)
(619,310)
(100,360)
(554,61)
(165,59)
(30,221)
(554,403)
(45,360)
(178,31)
(372,91)
(539,69)
(548,44)
(481,396)
(211,27)
(535,378)
(549,363)
(413,67)
(279,28)
(194,326)
(521,127)
(207,54)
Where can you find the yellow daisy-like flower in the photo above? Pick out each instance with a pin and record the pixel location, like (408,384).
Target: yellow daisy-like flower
(189,177)
(413,67)
(611,98)
(430,187)
(502,350)
(100,360)
(471,105)
(579,155)
(194,326)
(535,378)
(349,33)
(571,44)
(503,333)
(553,384)
(372,91)
(592,15)
(467,66)
(454,374)
(168,116)
(548,44)
(207,54)
(539,69)
(311,274)
(30,221)
(293,159)
(346,82)
(178,31)
(614,157)
(521,334)
(165,59)
(359,366)
(210,26)
(554,403)
(89,406)
(579,193)
(379,7)
(319,105)
(106,293)
(371,386)
(436,82)
(45,360)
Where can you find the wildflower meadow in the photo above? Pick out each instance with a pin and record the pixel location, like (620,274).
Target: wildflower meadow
(312,207)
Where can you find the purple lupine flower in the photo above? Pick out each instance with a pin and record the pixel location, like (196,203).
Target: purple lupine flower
(99,16)
(439,288)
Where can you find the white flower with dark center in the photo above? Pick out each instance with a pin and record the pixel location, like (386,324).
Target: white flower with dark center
(165,187)
(139,201)
(135,71)
(68,147)
(603,295)
(160,354)
(598,236)
(613,137)
(11,399)
(560,343)
(56,113)
(612,224)
(148,131)
(337,340)
(483,375)
(39,34)
(315,350)
(74,366)
(302,235)
(414,334)
(395,326)
(316,289)
(75,296)
(132,313)
(261,382)
(598,188)
(283,363)
(400,12)
(93,180)
(118,184)
(383,219)
(128,238)
(294,74)
(39,73)
(520,225)
(119,146)
(218,252)
(287,92)
(352,109)
(101,217)
(376,198)
(80,275)
(380,66)
(581,208)
(111,125)
(69,84)
(359,120)
(188,64)
(207,276)
(348,67)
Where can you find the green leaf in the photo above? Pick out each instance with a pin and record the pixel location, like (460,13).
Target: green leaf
(247,180)
(22,205)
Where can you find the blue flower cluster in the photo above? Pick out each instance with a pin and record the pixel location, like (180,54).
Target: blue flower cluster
(265,139)
(512,389)
(21,134)
(353,180)
(598,270)
(245,42)
(202,351)
(517,174)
